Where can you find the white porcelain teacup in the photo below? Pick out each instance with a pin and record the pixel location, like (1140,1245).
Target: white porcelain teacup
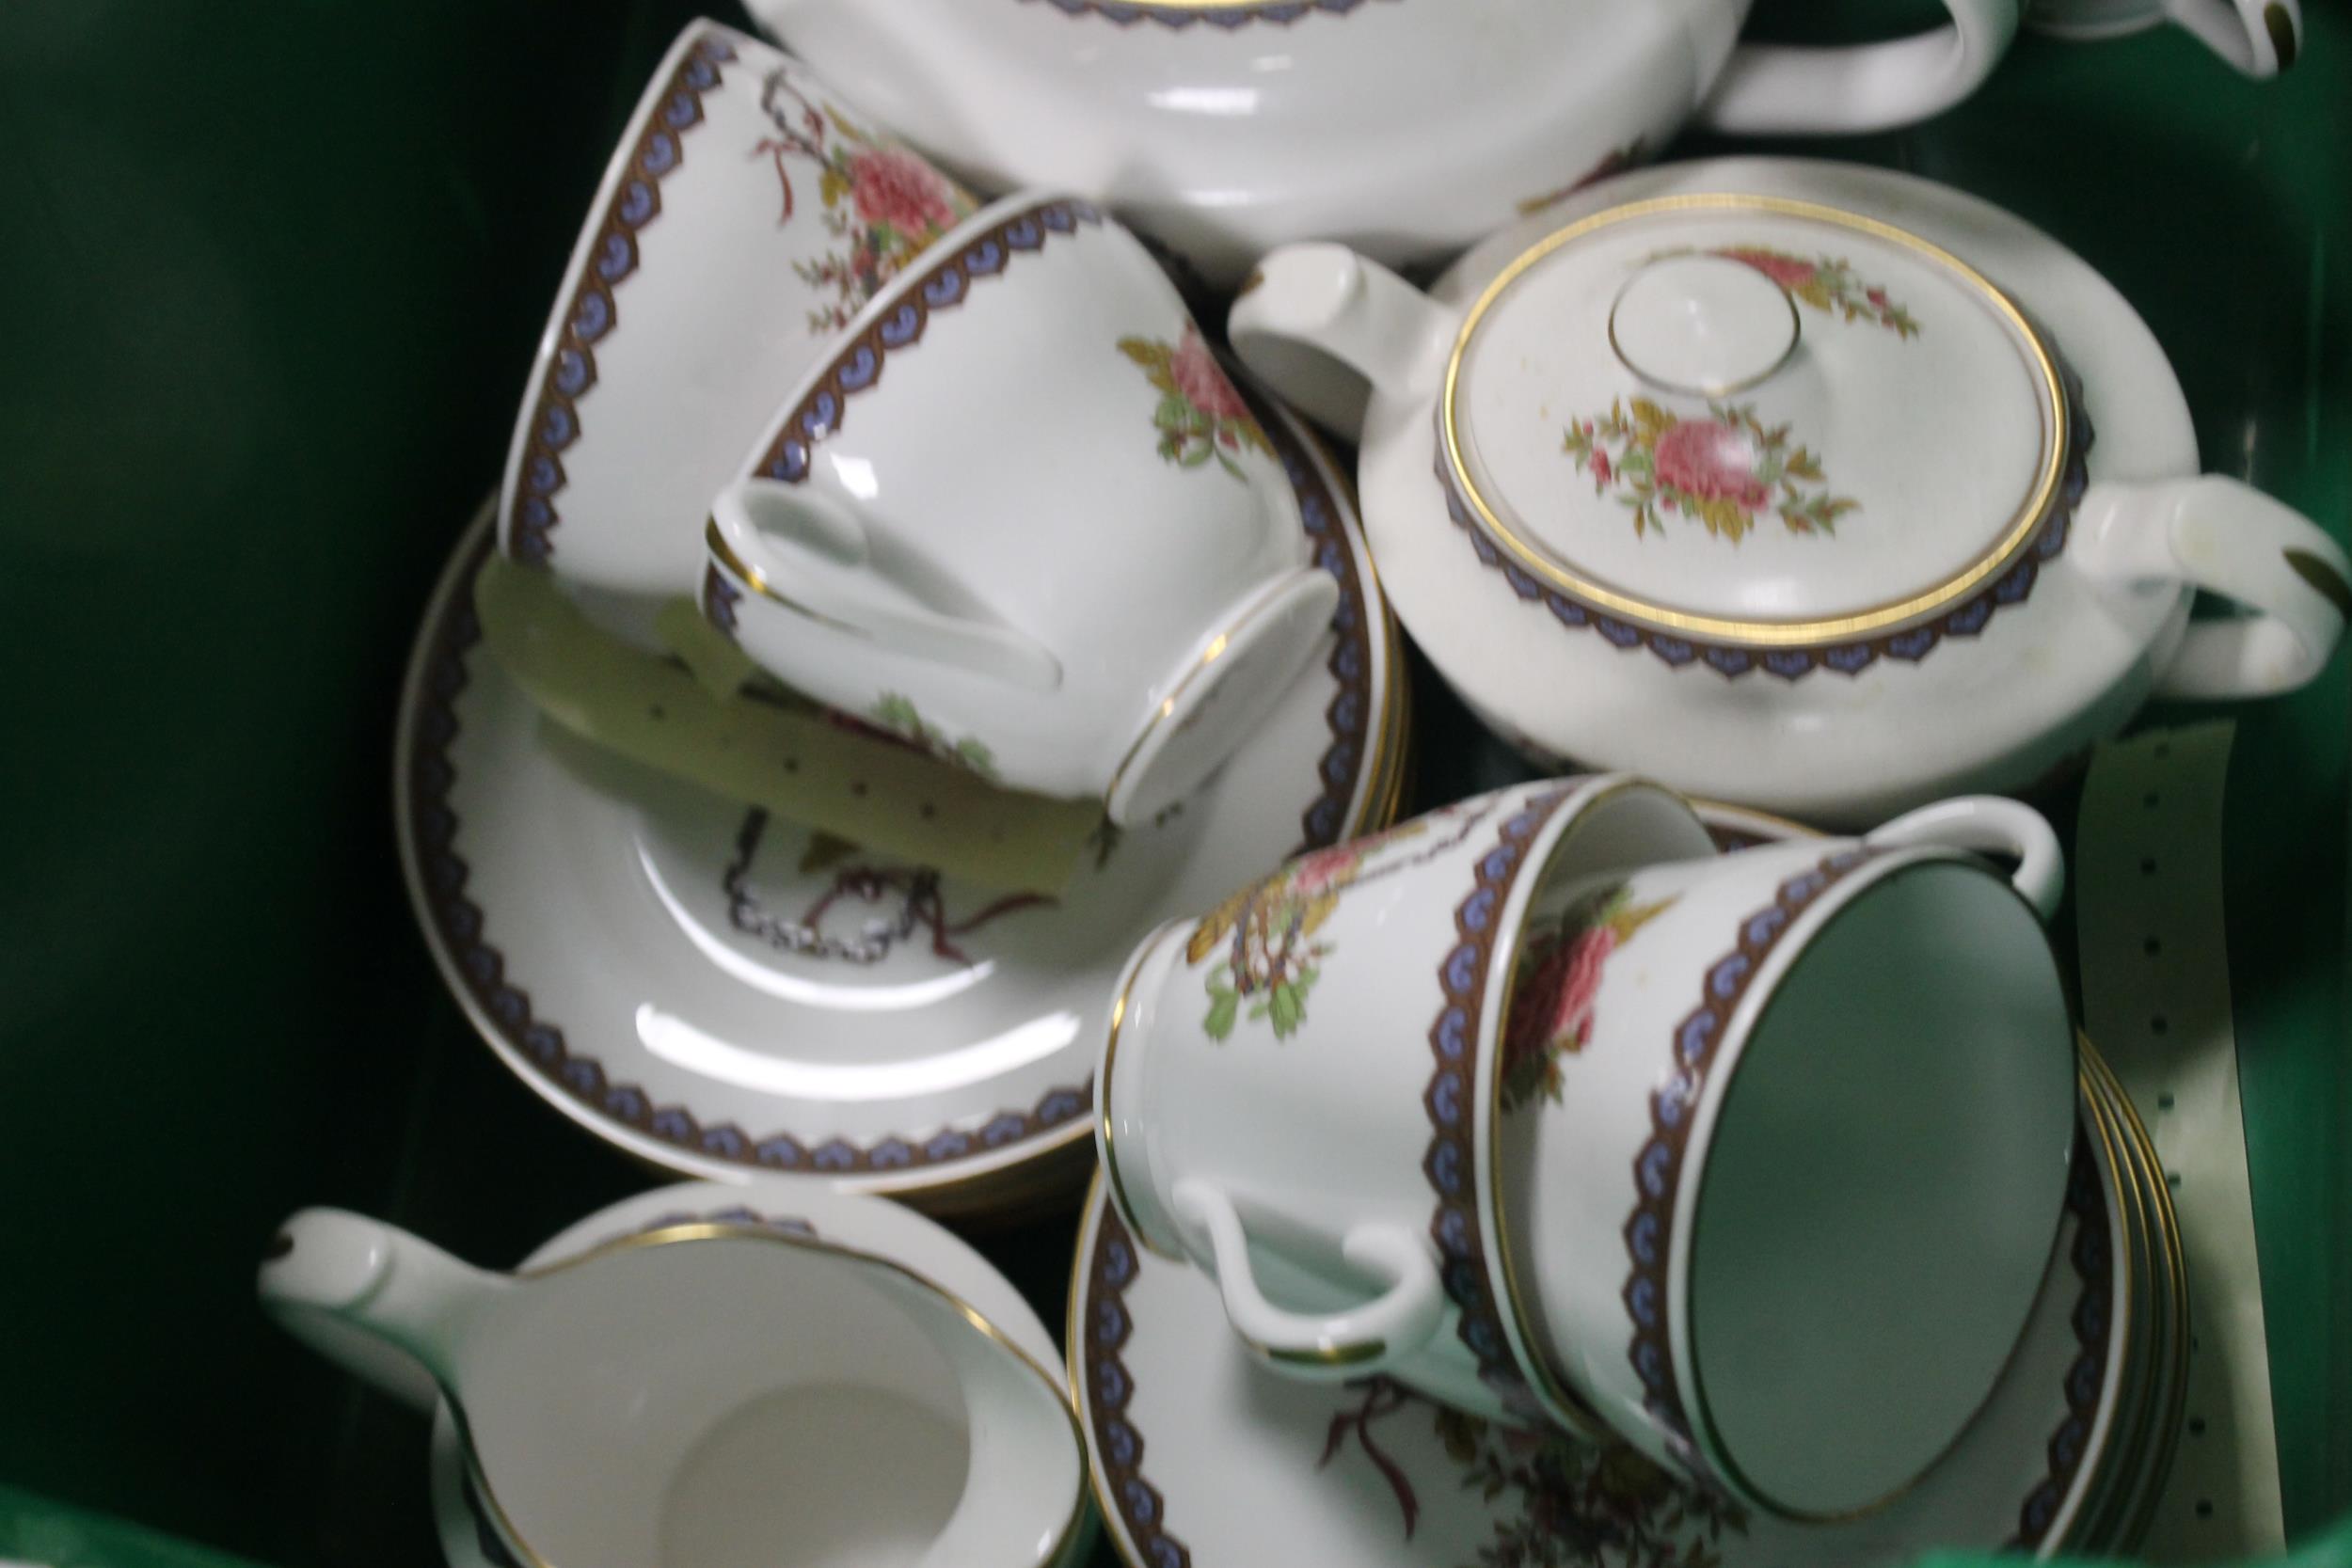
(746,215)
(677,1396)
(1535,1104)
(1023,517)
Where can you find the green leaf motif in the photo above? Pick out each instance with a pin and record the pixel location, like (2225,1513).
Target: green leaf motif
(1287,1009)
(1223,1008)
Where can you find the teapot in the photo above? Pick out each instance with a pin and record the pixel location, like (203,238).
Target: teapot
(1225,127)
(1406,128)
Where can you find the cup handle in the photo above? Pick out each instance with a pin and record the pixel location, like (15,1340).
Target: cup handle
(1994,826)
(1324,327)
(814,557)
(2232,539)
(2260,38)
(1778,90)
(389,1308)
(1330,1346)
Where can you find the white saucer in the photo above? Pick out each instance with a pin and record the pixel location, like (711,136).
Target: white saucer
(869,1225)
(1204,1459)
(612,932)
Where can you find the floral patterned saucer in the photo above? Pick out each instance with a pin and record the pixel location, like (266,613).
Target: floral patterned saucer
(719,992)
(1202,1457)
(883,1230)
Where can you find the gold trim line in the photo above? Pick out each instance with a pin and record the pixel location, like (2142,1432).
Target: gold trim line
(706,1230)
(1766,633)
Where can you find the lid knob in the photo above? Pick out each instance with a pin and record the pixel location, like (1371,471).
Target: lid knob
(1707,326)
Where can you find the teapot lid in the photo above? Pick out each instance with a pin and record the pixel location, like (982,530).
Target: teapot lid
(1754,421)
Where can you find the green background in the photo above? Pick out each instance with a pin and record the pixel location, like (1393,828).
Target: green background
(270,276)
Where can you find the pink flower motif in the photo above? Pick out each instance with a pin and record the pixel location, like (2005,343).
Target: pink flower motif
(1790,272)
(1876,296)
(1711,460)
(1200,382)
(895,187)
(1602,472)
(1555,1003)
(1319,870)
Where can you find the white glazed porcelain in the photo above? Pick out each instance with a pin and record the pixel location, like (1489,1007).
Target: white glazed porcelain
(2260,38)
(1774,480)
(747,214)
(716,993)
(1025,501)
(867,1224)
(1408,128)
(1260,1087)
(1203,1454)
(1827,1090)
(711,1381)
(1286,1030)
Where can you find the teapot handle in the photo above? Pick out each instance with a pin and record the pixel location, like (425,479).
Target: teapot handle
(389,1308)
(813,558)
(1780,89)
(1324,327)
(1335,1346)
(2232,539)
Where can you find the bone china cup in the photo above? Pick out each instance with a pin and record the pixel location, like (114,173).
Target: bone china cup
(746,215)
(1024,511)
(643,1402)
(1755,1159)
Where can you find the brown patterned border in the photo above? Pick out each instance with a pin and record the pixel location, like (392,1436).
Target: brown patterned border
(1175,15)
(1732,660)
(1657,1164)
(591,314)
(458,922)
(1101,1329)
(1450,1100)
(941,285)
(2092,1258)
(1350,715)
(1118,1446)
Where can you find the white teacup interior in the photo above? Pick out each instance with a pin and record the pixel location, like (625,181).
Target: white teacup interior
(1869,1230)
(721,1403)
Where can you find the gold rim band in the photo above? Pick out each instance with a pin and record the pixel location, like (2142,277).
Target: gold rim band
(1841,901)
(1107,1166)
(1842,629)
(709,1231)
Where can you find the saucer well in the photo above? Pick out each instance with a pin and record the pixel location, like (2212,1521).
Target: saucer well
(718,993)
(1202,1457)
(865,1225)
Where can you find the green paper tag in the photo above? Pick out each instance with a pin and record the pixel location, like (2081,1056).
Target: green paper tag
(695,718)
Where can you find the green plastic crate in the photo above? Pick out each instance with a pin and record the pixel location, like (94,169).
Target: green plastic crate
(271,277)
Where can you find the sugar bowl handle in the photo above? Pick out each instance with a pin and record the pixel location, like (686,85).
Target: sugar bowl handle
(1353,1342)
(1992,825)
(2260,38)
(1324,327)
(1777,89)
(2232,539)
